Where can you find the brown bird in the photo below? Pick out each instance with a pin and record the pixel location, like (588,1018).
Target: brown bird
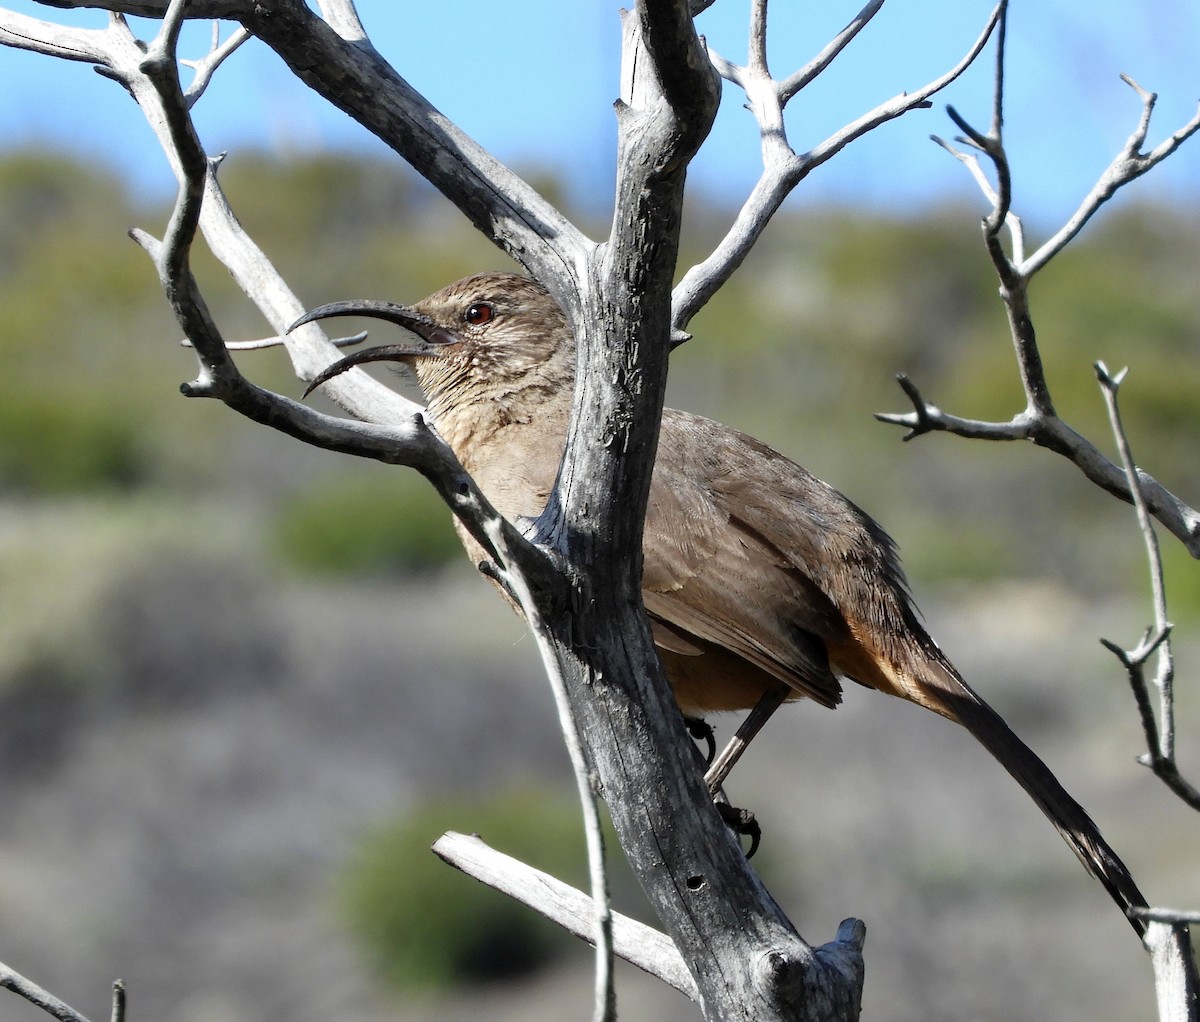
(762,583)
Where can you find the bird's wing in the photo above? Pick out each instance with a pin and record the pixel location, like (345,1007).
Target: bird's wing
(715,572)
(831,570)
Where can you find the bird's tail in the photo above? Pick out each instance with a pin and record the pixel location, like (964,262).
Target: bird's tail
(949,695)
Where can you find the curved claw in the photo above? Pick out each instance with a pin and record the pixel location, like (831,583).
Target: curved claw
(743,823)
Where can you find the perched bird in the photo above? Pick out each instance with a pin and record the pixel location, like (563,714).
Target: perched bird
(762,583)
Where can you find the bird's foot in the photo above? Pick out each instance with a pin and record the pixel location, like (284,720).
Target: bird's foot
(742,823)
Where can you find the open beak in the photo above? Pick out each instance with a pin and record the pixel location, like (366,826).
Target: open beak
(428,337)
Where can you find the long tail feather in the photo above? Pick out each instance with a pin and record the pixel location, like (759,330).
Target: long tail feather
(960,703)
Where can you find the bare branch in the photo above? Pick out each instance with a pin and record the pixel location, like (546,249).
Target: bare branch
(784,169)
(997,129)
(1013,222)
(205,68)
(1160,731)
(605,1000)
(25,33)
(992,146)
(1128,165)
(122,55)
(901,103)
(1038,422)
(281,342)
(118,1002)
(571,909)
(34,994)
(799,79)
(409,441)
(1181,520)
(1166,915)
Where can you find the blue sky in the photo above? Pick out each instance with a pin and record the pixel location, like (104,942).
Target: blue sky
(534,82)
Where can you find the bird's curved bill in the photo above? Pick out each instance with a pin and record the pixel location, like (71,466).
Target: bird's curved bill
(428,337)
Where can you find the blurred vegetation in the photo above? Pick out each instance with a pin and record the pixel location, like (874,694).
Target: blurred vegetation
(370,526)
(125,509)
(424,926)
(800,349)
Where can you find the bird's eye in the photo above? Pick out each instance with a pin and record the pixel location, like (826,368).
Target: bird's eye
(479,313)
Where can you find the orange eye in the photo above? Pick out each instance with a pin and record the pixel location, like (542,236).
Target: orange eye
(479,313)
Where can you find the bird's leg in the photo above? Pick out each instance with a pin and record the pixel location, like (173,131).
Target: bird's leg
(742,821)
(720,767)
(701,731)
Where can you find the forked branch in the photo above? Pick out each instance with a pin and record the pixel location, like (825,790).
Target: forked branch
(1038,422)
(420,447)
(1159,727)
(1168,941)
(783,167)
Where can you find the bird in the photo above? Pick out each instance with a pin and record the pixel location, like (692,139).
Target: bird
(762,583)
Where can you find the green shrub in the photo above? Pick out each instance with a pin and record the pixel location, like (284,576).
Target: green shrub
(52,443)
(372,527)
(424,925)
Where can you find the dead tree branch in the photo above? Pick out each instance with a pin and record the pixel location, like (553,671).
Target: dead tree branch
(1169,945)
(35,995)
(783,167)
(154,81)
(634,942)
(1168,939)
(1038,422)
(1159,728)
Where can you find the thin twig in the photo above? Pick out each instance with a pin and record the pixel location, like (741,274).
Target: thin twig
(1165,915)
(1160,730)
(204,69)
(799,79)
(1128,165)
(514,581)
(975,168)
(118,1001)
(264,343)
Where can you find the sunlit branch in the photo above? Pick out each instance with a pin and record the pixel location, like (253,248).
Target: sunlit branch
(1160,729)
(783,167)
(1038,422)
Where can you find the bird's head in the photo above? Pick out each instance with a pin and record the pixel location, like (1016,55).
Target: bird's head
(495,338)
